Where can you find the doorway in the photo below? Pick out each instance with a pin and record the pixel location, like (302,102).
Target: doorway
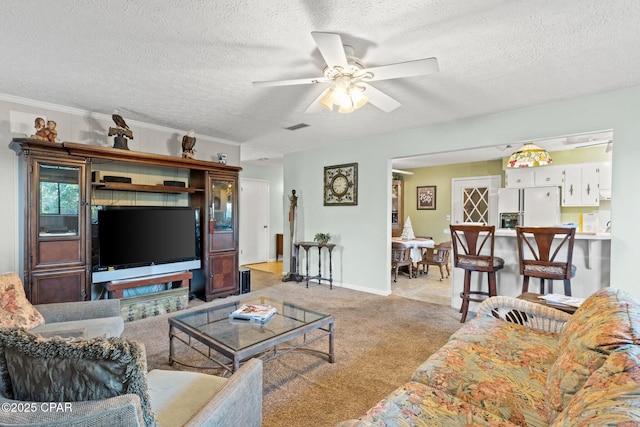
(475,200)
(254,221)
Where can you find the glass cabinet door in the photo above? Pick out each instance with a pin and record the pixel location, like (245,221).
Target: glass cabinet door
(223,203)
(58,200)
(58,231)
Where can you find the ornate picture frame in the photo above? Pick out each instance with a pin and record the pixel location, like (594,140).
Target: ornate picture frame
(426,197)
(340,187)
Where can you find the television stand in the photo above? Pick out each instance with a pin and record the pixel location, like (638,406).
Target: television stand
(116,288)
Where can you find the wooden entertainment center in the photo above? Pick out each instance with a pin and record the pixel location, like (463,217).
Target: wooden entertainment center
(57,233)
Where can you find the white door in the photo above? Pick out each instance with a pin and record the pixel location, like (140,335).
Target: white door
(254,221)
(475,199)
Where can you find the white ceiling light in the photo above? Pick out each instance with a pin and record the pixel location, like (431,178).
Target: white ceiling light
(346,94)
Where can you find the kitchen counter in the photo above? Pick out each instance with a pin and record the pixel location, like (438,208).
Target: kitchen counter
(591,256)
(506,232)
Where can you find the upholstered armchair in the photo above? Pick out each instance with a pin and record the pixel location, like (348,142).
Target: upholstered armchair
(104,382)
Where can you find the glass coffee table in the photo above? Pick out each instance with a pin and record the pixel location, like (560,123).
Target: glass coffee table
(229,342)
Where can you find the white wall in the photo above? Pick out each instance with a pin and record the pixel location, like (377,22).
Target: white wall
(362,232)
(86,128)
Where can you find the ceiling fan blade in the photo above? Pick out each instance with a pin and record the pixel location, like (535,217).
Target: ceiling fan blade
(307,81)
(418,67)
(315,106)
(331,48)
(379,99)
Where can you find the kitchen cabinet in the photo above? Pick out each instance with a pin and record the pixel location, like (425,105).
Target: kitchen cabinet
(542,176)
(605,181)
(548,175)
(580,185)
(397,207)
(519,178)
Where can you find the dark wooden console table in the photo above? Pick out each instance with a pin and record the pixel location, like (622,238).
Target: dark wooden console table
(308,245)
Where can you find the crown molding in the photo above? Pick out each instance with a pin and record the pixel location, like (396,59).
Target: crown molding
(85,113)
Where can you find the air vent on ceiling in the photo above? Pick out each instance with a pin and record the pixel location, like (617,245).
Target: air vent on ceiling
(298,126)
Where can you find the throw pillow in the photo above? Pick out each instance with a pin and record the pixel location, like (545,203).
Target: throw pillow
(15,308)
(607,320)
(58,369)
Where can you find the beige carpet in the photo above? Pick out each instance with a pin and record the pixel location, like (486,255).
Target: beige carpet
(379,342)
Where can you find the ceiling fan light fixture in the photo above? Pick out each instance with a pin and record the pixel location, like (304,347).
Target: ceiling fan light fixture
(340,93)
(530,155)
(348,108)
(358,98)
(325,101)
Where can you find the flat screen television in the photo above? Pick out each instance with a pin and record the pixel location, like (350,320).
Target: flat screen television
(144,241)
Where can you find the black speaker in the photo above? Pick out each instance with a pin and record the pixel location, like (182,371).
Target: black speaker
(245,281)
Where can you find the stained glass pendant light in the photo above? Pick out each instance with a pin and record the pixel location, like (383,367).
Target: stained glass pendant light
(530,155)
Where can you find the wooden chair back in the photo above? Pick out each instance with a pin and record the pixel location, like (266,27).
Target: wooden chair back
(400,257)
(438,256)
(546,253)
(400,254)
(473,247)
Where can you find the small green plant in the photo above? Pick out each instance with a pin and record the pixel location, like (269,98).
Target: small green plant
(322,238)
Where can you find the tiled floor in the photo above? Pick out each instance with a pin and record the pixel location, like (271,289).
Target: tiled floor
(426,287)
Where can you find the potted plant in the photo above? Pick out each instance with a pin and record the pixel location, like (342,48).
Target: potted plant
(322,238)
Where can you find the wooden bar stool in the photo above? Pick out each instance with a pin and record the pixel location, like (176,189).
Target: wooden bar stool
(535,246)
(473,247)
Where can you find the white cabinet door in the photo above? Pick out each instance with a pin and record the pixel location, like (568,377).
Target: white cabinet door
(605,176)
(548,175)
(571,195)
(580,186)
(519,178)
(590,195)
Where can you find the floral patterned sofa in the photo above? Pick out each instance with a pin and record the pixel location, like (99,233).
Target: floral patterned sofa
(523,364)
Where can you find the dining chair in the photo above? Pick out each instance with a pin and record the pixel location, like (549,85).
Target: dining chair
(473,250)
(546,253)
(400,257)
(438,256)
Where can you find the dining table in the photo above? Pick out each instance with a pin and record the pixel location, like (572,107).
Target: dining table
(416,246)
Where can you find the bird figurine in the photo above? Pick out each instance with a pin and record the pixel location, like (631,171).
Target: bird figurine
(188,142)
(118,120)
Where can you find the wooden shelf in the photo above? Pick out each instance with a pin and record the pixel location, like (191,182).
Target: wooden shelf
(123,186)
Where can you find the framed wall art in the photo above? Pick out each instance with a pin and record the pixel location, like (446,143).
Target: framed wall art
(426,197)
(341,185)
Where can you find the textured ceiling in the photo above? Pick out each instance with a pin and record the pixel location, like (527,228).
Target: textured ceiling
(189,65)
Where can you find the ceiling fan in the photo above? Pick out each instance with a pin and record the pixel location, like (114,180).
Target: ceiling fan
(349,78)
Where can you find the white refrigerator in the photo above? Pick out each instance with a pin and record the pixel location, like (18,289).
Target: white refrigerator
(537,206)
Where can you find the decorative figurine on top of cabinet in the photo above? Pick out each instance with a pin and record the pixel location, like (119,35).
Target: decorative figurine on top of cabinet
(188,142)
(52,132)
(120,131)
(45,130)
(41,130)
